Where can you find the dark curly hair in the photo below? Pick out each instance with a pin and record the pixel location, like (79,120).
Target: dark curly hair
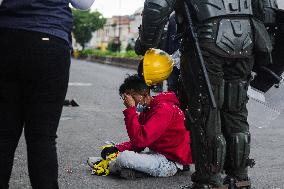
(135,83)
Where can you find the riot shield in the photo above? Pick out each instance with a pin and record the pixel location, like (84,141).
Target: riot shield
(268,111)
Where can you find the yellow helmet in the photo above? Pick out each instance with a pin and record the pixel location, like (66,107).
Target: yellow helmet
(157,66)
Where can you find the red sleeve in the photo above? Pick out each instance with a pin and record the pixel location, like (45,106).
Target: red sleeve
(124,146)
(127,146)
(142,136)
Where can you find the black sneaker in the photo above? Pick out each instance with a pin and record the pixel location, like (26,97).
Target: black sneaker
(203,186)
(186,168)
(200,186)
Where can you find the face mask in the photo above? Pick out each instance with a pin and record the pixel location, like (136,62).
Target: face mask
(140,107)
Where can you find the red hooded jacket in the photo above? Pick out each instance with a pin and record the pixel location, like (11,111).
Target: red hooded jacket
(160,128)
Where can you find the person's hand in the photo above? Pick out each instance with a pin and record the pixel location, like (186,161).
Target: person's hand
(108,150)
(128,101)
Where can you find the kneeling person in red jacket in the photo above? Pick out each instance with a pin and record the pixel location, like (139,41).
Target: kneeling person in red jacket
(153,122)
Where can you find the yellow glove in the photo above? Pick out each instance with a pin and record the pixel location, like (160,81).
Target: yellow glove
(101,168)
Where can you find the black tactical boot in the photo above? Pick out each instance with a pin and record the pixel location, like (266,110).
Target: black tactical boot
(214,181)
(204,186)
(200,186)
(234,183)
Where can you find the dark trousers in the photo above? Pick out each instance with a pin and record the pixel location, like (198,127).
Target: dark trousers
(213,131)
(34,73)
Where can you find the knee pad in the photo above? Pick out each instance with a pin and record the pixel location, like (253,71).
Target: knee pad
(238,150)
(217,154)
(235,95)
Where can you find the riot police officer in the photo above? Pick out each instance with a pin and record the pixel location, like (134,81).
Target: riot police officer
(220,134)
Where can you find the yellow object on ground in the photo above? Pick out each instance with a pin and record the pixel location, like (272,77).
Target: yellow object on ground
(157,66)
(76,53)
(101,168)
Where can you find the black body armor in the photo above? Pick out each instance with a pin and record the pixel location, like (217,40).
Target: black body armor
(227,37)
(265,11)
(208,9)
(155,17)
(233,36)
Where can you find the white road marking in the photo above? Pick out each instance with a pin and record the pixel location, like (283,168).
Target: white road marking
(80,84)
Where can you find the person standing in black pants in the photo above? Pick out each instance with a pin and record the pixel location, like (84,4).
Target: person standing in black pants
(34,72)
(33,82)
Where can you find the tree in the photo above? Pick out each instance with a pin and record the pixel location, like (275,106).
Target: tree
(114,45)
(86,22)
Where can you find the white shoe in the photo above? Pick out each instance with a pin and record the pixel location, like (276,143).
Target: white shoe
(92,160)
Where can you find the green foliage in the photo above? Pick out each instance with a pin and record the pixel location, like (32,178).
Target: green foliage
(86,22)
(114,46)
(86,52)
(129,47)
(127,54)
(131,54)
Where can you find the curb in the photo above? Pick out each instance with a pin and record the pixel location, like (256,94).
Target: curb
(131,63)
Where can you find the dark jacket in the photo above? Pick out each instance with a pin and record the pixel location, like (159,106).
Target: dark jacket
(48,16)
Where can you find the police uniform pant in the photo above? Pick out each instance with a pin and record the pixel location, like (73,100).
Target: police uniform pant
(220,138)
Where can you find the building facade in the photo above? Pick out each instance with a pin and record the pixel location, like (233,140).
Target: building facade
(123,29)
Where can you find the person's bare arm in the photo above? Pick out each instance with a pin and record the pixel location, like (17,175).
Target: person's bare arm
(81,4)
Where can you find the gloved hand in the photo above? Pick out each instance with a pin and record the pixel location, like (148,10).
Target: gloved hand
(100,168)
(139,48)
(107,150)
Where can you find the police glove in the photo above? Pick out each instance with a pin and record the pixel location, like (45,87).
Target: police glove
(139,48)
(108,150)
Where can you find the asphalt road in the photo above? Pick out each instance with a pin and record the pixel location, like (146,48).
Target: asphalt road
(83,130)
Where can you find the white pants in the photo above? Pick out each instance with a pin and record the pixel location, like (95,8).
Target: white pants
(154,164)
